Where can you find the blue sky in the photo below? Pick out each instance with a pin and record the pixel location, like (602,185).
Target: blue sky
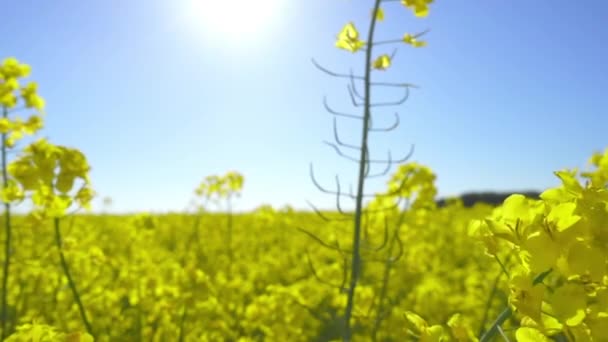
(510,91)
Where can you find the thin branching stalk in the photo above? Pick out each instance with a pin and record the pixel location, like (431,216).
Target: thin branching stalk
(388,266)
(66,271)
(7,236)
(356,256)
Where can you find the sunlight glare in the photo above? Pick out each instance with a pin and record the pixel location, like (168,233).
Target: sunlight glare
(229,21)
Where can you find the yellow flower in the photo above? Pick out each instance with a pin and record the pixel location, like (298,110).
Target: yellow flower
(526,297)
(8,100)
(31,97)
(525,334)
(234,180)
(348,38)
(9,85)
(7,88)
(461,329)
(420,7)
(5,125)
(34,123)
(420,327)
(11,68)
(409,39)
(84,197)
(382,62)
(12,192)
(379,14)
(569,303)
(13,137)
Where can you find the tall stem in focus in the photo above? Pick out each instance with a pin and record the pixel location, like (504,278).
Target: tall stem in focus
(356,257)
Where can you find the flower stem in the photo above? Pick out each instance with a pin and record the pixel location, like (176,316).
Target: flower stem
(7,241)
(356,257)
(66,271)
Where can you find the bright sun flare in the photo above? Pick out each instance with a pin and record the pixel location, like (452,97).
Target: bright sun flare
(228,20)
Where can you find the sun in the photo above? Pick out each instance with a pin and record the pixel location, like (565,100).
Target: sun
(230,21)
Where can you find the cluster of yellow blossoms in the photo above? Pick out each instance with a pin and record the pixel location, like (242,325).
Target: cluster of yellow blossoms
(559,273)
(52,177)
(45,171)
(220,186)
(11,71)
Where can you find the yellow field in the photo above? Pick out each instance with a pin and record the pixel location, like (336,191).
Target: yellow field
(428,273)
(144,278)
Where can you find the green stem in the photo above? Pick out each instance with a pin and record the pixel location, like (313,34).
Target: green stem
(494,292)
(356,258)
(140,316)
(229,240)
(182,323)
(66,271)
(504,315)
(8,238)
(388,265)
(502,266)
(486,312)
(195,232)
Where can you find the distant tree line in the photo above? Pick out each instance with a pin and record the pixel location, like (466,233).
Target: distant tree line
(493,198)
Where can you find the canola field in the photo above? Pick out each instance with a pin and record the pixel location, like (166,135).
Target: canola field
(397,268)
(428,273)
